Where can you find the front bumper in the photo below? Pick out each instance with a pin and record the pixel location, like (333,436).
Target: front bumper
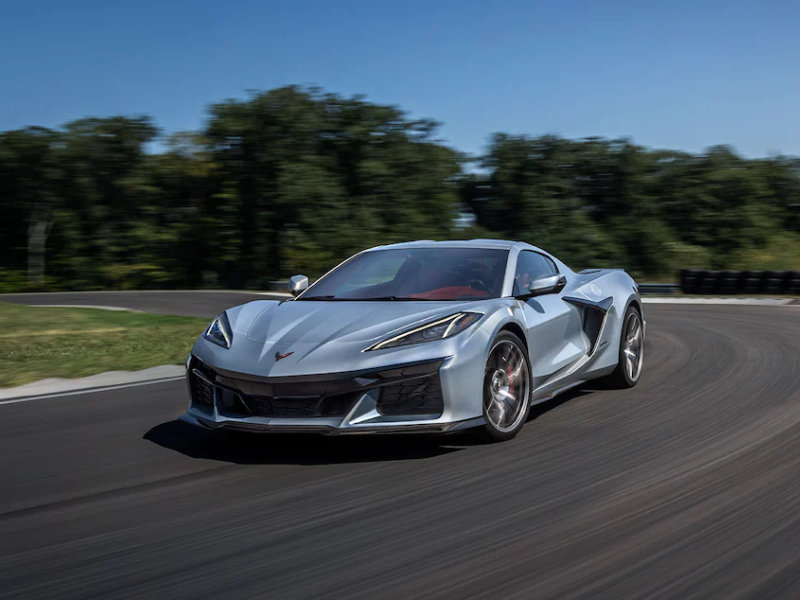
(406,398)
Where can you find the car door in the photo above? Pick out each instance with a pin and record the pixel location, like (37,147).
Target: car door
(554,331)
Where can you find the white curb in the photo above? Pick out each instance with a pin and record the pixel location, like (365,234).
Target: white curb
(57,385)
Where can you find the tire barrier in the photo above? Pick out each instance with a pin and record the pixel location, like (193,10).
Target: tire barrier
(739,282)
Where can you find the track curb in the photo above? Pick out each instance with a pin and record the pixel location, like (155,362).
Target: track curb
(57,386)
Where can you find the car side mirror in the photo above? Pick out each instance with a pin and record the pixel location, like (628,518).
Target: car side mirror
(551,284)
(297,284)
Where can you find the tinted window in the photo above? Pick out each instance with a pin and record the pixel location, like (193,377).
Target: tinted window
(530,266)
(416,273)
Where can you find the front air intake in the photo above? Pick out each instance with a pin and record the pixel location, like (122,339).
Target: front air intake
(421,396)
(202,391)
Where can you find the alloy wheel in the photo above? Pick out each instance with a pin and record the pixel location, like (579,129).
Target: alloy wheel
(507,386)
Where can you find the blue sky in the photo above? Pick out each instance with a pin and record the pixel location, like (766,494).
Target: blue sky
(681,75)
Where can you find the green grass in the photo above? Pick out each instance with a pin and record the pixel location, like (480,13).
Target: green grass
(39,342)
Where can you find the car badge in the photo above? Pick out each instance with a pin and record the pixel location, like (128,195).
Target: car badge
(279,356)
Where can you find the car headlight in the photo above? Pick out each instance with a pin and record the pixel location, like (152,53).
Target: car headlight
(219,331)
(430,332)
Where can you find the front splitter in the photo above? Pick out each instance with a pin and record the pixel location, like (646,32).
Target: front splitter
(329,429)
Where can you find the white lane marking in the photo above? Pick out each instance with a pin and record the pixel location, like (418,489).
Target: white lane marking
(97,306)
(91,390)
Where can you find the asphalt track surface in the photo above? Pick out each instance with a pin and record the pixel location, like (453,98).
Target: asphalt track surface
(687,486)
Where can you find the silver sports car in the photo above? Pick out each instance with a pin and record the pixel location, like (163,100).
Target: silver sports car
(420,336)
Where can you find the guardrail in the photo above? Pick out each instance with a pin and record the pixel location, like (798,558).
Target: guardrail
(278,286)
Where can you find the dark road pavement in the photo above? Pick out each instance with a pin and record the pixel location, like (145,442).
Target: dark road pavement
(686,486)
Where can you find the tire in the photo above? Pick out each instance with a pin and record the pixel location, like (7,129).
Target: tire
(506,388)
(631,352)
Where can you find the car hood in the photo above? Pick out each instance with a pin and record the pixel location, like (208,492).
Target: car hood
(318,336)
(319,322)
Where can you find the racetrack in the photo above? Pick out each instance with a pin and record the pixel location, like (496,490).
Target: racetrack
(686,486)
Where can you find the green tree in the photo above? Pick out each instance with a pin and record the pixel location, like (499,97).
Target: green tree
(306,178)
(28,198)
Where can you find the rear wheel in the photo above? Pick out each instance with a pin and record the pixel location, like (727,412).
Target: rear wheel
(631,351)
(506,387)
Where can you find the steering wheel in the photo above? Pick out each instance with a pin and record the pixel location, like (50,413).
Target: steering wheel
(477,284)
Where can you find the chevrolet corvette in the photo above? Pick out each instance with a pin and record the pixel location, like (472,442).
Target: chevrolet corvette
(418,337)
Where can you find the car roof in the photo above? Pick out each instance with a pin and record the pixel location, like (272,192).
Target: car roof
(476,243)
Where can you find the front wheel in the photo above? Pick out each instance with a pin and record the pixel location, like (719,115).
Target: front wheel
(506,387)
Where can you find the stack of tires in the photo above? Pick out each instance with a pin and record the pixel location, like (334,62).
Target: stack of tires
(739,282)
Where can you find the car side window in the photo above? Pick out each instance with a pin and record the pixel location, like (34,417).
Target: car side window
(531,265)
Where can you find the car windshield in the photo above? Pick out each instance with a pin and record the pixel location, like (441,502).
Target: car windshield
(415,274)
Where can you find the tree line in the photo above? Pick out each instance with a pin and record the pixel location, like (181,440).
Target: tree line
(296,179)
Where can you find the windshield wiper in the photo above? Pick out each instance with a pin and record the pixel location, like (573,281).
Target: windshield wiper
(320,298)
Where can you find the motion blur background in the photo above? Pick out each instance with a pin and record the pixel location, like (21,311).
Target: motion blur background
(606,133)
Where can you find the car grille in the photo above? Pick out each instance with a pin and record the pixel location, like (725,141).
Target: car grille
(415,397)
(335,406)
(404,390)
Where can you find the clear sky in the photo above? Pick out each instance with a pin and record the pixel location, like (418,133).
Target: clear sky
(682,75)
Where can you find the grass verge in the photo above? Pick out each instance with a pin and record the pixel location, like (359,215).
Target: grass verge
(38,342)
